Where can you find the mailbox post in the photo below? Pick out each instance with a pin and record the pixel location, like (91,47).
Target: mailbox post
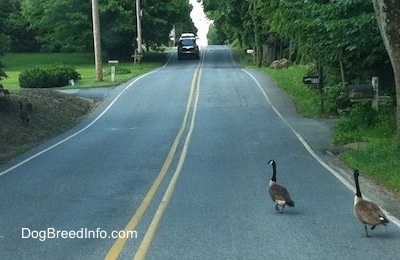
(318,82)
(113,64)
(252,53)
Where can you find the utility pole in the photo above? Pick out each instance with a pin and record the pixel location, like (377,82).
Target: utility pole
(96,40)
(139,28)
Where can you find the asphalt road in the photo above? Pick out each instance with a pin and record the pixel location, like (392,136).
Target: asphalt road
(178,159)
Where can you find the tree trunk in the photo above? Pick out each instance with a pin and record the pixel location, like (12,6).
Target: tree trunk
(97,40)
(269,53)
(388,16)
(259,56)
(342,73)
(257,43)
(278,50)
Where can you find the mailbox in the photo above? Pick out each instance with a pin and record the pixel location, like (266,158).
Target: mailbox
(359,92)
(113,63)
(311,80)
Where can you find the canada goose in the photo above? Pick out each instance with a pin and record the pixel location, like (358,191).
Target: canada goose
(24,115)
(29,105)
(278,193)
(366,211)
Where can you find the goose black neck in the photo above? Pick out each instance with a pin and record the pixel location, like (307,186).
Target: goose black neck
(273,171)
(358,191)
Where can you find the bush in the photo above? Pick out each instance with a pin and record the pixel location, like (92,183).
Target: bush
(363,115)
(55,75)
(335,99)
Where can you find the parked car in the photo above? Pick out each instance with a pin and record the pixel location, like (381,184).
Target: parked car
(187,47)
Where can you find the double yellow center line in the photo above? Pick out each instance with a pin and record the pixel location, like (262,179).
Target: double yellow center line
(191,109)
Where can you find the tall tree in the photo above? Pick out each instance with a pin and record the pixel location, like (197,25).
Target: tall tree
(65,25)
(23,37)
(118,23)
(388,17)
(159,18)
(62,25)
(233,18)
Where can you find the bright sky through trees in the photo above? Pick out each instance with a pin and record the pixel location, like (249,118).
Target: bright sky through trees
(201,22)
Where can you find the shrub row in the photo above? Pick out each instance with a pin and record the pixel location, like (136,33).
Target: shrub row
(55,75)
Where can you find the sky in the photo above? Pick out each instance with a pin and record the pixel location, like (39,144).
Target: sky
(201,22)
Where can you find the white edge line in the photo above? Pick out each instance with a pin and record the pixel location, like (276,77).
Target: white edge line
(83,129)
(305,144)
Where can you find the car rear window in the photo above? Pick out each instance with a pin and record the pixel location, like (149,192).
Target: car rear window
(187,42)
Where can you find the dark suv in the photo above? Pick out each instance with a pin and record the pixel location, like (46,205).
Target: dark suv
(187,47)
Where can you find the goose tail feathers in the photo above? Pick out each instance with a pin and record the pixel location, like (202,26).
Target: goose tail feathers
(290,203)
(384,220)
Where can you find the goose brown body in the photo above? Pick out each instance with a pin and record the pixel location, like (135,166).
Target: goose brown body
(367,212)
(277,192)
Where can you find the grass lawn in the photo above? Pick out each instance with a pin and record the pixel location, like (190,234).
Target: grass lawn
(379,160)
(15,63)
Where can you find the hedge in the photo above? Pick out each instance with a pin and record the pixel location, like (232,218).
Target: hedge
(54,75)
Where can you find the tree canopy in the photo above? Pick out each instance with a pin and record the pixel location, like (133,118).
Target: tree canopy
(66,26)
(4,39)
(331,32)
(342,36)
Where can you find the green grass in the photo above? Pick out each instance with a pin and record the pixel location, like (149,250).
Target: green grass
(306,98)
(15,63)
(379,161)
(21,61)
